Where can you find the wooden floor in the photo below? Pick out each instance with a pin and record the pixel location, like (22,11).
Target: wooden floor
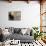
(35,43)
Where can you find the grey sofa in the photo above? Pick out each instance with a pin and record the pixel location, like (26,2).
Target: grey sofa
(17,35)
(22,38)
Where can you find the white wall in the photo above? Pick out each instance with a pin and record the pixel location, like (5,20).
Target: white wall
(30,14)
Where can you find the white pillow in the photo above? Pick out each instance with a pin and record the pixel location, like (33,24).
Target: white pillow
(23,31)
(5,32)
(28,31)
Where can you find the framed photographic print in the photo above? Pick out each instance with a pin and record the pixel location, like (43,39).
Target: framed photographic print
(15,15)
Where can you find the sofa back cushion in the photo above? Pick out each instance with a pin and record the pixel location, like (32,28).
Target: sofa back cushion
(11,30)
(17,30)
(23,31)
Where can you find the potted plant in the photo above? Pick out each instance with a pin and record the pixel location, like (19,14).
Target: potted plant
(37,33)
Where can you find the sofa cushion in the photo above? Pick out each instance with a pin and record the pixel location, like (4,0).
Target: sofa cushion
(11,30)
(23,31)
(17,30)
(20,37)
